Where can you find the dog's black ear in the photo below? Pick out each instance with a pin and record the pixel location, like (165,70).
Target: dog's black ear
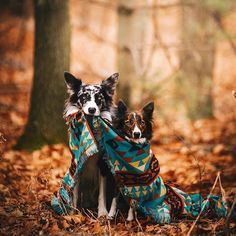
(148,111)
(110,83)
(73,84)
(122,108)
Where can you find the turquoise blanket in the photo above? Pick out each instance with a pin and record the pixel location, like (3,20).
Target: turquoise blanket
(136,171)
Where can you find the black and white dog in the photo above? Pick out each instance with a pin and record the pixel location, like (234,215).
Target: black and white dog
(136,127)
(92,100)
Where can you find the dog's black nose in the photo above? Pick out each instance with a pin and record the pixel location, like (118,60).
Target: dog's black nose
(92,110)
(137,134)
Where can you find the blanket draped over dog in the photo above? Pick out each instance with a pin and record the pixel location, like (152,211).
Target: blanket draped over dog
(136,171)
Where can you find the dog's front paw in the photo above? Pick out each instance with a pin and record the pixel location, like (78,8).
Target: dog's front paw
(112,211)
(111,215)
(130,218)
(102,212)
(130,214)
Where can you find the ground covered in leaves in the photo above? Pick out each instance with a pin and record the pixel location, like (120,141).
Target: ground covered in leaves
(27,181)
(189,157)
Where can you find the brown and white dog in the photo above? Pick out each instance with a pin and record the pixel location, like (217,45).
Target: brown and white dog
(136,127)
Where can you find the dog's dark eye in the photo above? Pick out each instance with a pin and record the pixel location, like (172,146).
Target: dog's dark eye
(85,96)
(127,122)
(98,101)
(142,122)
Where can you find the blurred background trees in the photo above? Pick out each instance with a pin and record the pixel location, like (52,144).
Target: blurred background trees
(132,29)
(199,36)
(194,83)
(179,53)
(51,58)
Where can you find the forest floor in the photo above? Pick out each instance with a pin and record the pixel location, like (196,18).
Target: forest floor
(28,180)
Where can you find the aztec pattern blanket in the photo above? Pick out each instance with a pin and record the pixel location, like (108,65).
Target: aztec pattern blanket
(136,171)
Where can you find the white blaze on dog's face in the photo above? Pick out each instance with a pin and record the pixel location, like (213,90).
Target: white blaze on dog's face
(137,133)
(135,125)
(91,107)
(91,99)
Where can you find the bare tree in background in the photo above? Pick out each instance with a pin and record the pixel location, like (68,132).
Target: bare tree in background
(51,57)
(131,34)
(194,84)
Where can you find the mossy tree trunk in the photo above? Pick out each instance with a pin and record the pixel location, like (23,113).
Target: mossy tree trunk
(194,85)
(51,57)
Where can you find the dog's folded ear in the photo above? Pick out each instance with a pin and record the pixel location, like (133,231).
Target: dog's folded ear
(73,84)
(148,111)
(122,108)
(110,83)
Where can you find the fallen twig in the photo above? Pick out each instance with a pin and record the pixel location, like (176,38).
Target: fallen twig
(203,207)
(109,227)
(136,219)
(227,222)
(222,190)
(188,146)
(92,214)
(91,218)
(116,216)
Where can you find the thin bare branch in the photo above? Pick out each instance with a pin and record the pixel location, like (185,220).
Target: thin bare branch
(161,43)
(202,208)
(96,37)
(221,28)
(136,219)
(154,46)
(229,216)
(115,6)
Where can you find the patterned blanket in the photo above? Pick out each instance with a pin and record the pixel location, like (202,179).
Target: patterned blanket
(136,171)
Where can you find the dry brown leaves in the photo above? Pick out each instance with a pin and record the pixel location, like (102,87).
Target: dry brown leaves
(27,182)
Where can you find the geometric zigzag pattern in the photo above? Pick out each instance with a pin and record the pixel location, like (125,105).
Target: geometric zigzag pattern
(134,165)
(152,198)
(131,158)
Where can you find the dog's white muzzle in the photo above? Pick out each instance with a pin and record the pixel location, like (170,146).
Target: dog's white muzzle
(91,108)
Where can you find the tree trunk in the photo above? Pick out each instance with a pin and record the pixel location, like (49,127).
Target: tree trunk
(131,36)
(51,57)
(196,61)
